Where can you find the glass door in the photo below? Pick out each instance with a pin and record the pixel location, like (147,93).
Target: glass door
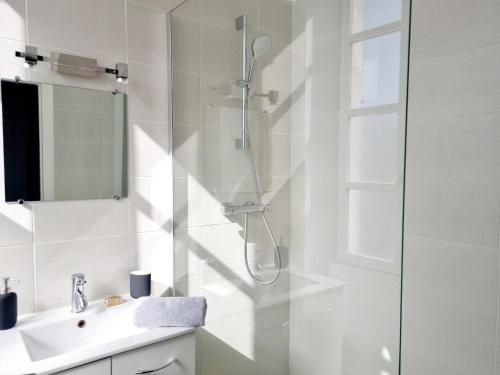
(325,111)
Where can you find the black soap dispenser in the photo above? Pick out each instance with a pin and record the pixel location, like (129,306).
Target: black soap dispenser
(8,304)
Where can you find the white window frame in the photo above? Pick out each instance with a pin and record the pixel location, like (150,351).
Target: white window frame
(392,266)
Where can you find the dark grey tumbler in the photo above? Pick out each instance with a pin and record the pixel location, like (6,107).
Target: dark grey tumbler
(140,284)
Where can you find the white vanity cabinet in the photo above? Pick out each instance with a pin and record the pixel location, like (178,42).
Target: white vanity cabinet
(102,367)
(172,357)
(175,356)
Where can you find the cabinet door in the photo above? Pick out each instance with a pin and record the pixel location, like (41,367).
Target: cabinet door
(102,367)
(157,356)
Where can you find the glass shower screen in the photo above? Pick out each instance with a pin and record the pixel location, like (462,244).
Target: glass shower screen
(323,110)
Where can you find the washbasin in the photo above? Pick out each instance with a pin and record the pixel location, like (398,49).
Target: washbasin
(79,331)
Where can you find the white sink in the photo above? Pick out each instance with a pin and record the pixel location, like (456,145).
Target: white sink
(53,341)
(82,330)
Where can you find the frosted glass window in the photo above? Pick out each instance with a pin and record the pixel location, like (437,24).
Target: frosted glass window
(368,14)
(375,71)
(373,148)
(374,224)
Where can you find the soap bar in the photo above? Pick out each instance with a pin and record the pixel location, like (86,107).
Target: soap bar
(113,301)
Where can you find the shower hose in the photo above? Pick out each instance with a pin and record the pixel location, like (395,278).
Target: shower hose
(263,215)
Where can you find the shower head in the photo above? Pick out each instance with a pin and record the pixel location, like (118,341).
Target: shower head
(261,46)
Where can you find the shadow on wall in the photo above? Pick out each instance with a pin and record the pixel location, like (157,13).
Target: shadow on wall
(240,336)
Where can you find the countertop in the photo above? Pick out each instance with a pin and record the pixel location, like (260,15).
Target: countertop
(15,360)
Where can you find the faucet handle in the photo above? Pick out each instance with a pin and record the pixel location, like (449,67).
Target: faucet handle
(78,278)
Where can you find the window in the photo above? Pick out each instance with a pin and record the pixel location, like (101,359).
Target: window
(372,135)
(369,14)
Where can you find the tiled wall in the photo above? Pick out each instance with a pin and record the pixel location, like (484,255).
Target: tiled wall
(44,243)
(366,337)
(210,170)
(451,274)
(317,31)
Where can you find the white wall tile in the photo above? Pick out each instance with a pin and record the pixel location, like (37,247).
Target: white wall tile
(326,16)
(187,202)
(237,331)
(147,89)
(280,154)
(15,221)
(164,5)
(278,197)
(497,348)
(153,252)
(188,254)
(188,151)
(450,333)
(91,26)
(452,227)
(226,293)
(414,362)
(186,104)
(146,35)
(377,352)
(71,220)
(186,44)
(468,85)
(469,25)
(217,358)
(221,157)
(310,342)
(220,52)
(221,256)
(149,146)
(275,71)
(455,210)
(12,19)
(455,147)
(104,261)
(276,19)
(458,273)
(17,262)
(223,13)
(11,65)
(189,9)
(371,300)
(272,327)
(298,202)
(324,62)
(150,204)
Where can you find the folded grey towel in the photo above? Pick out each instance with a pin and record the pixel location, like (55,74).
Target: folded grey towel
(153,312)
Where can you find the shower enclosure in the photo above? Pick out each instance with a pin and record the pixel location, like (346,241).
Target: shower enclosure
(289,134)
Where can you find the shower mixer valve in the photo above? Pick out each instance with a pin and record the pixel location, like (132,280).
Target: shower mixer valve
(229,209)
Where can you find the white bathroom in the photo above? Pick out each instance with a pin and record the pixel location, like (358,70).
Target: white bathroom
(250,187)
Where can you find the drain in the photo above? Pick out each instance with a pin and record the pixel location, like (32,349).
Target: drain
(81,324)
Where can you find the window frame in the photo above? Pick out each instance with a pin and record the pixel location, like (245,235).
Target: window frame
(393,265)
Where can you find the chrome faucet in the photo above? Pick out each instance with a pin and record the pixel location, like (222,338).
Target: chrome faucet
(78,300)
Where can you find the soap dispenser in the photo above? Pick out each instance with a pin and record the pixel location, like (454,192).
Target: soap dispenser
(8,304)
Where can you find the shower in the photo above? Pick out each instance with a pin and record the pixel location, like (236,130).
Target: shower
(289,139)
(260,47)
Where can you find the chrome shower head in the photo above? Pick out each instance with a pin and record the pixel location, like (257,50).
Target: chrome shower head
(261,46)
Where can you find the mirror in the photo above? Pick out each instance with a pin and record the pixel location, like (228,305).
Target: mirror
(63,143)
